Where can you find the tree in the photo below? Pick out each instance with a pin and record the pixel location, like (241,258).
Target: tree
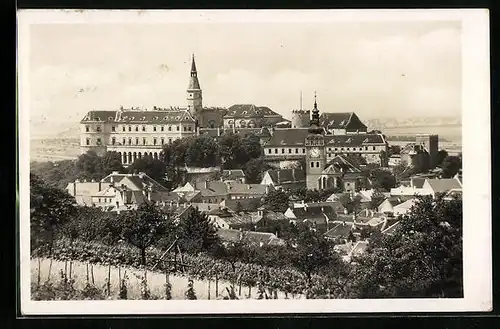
(57,174)
(232,252)
(50,209)
(442,154)
(196,233)
(255,169)
(143,227)
(154,168)
(202,152)
(251,147)
(111,161)
(276,201)
(231,151)
(309,251)
(190,293)
(352,205)
(382,180)
(90,166)
(422,258)
(450,166)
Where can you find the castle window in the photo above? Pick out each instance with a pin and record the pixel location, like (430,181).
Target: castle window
(243,123)
(283,151)
(289,150)
(129,128)
(185,128)
(144,141)
(87,129)
(113,141)
(99,141)
(162,128)
(374,148)
(154,141)
(270,151)
(275,151)
(136,141)
(162,141)
(366,148)
(130,141)
(348,149)
(190,128)
(88,141)
(154,128)
(136,128)
(170,140)
(303,150)
(113,128)
(143,128)
(317,164)
(177,128)
(123,128)
(123,141)
(312,164)
(169,128)
(296,151)
(98,128)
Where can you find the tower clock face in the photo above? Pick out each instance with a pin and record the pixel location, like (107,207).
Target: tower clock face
(314,153)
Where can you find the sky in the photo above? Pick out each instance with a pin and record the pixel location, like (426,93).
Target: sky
(376,69)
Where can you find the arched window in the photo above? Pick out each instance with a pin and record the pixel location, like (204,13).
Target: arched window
(243,123)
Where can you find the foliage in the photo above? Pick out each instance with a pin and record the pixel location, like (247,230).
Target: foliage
(423,258)
(442,154)
(254,170)
(235,151)
(276,201)
(309,251)
(351,204)
(123,287)
(202,152)
(154,168)
(196,233)
(142,227)
(190,293)
(50,209)
(111,161)
(451,165)
(382,180)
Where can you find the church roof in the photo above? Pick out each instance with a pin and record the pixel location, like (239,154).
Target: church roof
(193,81)
(341,164)
(249,111)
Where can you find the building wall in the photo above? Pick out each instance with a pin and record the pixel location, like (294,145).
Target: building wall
(431,144)
(300,118)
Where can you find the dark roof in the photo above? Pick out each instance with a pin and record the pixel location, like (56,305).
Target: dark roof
(297,136)
(418,182)
(280,176)
(341,230)
(232,174)
(335,120)
(315,213)
(138,181)
(249,111)
(248,236)
(101,116)
(340,164)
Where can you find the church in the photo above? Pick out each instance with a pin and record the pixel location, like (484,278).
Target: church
(135,133)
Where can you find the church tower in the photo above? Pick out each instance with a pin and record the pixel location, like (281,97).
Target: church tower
(194,97)
(315,151)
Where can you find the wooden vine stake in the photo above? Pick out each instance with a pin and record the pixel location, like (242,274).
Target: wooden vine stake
(50,270)
(109,279)
(216,286)
(70,268)
(249,291)
(39,273)
(92,273)
(209,289)
(87,266)
(66,268)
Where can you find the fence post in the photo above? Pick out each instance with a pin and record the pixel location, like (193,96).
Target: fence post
(249,291)
(239,289)
(50,270)
(208,288)
(66,268)
(70,268)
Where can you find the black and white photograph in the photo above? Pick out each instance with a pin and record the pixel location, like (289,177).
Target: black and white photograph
(176,162)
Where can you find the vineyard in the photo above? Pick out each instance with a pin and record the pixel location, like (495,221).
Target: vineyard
(111,264)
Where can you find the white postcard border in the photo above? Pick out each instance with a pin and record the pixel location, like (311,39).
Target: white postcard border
(476,165)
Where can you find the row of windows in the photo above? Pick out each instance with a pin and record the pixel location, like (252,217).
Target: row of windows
(315,163)
(104,200)
(129,141)
(290,151)
(155,128)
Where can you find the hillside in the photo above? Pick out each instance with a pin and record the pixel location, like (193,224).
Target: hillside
(382,123)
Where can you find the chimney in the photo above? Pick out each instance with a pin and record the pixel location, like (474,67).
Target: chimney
(206,184)
(218,131)
(267,189)
(279,181)
(100,186)
(111,179)
(74,187)
(115,172)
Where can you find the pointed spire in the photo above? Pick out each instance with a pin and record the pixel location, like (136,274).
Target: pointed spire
(315,128)
(193,65)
